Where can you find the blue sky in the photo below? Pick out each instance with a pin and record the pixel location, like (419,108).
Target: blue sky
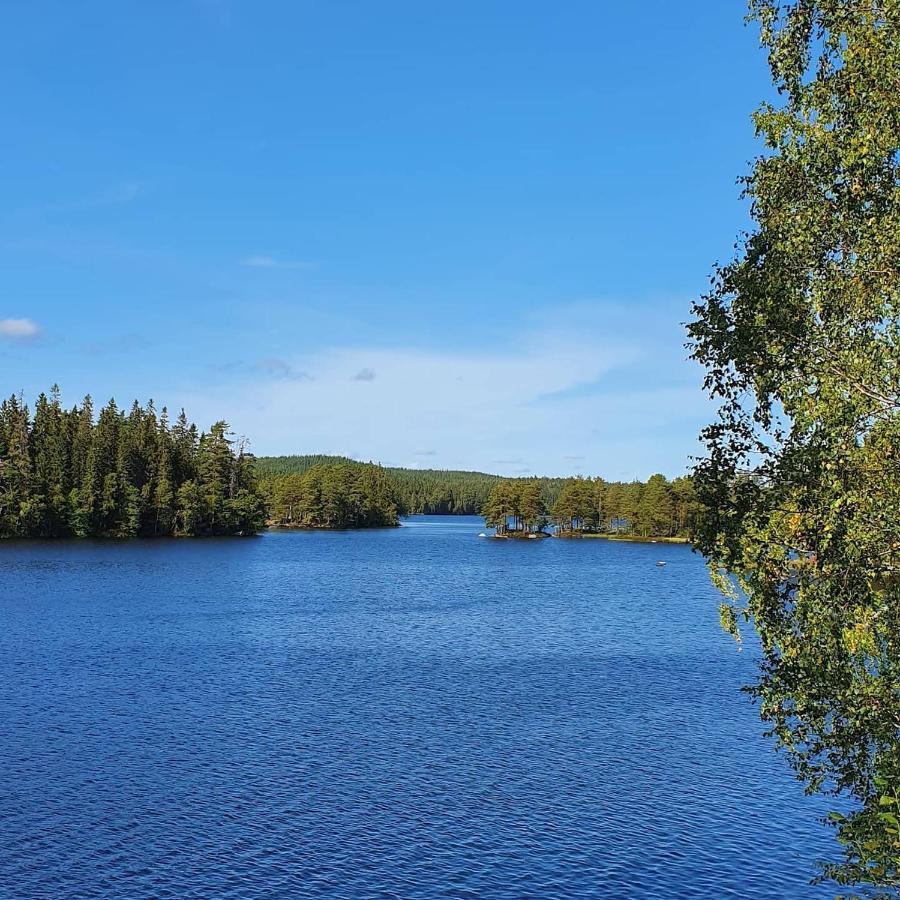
(431,234)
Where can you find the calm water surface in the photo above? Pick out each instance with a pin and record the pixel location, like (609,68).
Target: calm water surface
(411,712)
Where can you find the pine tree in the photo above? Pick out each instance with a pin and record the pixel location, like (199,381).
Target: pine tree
(19,506)
(657,513)
(50,456)
(531,506)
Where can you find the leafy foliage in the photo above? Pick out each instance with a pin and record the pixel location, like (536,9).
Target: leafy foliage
(64,475)
(799,335)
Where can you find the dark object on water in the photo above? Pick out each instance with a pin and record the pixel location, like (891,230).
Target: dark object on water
(661,563)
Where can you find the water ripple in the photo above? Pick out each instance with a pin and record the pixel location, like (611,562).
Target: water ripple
(408,713)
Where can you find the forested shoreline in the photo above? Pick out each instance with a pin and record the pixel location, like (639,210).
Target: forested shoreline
(117,474)
(591,506)
(658,508)
(66,473)
(425,491)
(333,495)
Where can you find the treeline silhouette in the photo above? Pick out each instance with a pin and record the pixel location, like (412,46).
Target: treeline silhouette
(64,473)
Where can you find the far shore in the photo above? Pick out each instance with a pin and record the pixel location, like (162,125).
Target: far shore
(292,526)
(577,536)
(631,538)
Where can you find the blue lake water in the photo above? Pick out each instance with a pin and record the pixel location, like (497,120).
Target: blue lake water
(412,712)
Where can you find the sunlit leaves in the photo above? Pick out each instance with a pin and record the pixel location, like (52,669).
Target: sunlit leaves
(800,339)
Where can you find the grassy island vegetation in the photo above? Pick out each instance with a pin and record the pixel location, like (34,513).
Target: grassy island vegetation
(65,474)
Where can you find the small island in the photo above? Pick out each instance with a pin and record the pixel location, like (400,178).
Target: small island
(659,510)
(516,509)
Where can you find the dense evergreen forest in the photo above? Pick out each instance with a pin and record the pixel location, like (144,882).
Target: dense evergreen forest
(331,494)
(657,508)
(65,473)
(428,491)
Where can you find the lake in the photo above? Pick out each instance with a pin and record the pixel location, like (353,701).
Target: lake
(410,712)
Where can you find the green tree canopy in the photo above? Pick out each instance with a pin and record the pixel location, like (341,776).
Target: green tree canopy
(64,475)
(342,494)
(519,500)
(656,511)
(799,336)
(576,508)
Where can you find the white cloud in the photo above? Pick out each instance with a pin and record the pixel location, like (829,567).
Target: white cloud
(588,397)
(19,329)
(263,261)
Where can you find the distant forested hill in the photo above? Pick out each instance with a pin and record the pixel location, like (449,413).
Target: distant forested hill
(297,465)
(429,491)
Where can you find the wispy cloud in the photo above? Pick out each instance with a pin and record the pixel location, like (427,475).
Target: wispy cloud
(513,407)
(264,261)
(279,368)
(19,329)
(272,367)
(425,453)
